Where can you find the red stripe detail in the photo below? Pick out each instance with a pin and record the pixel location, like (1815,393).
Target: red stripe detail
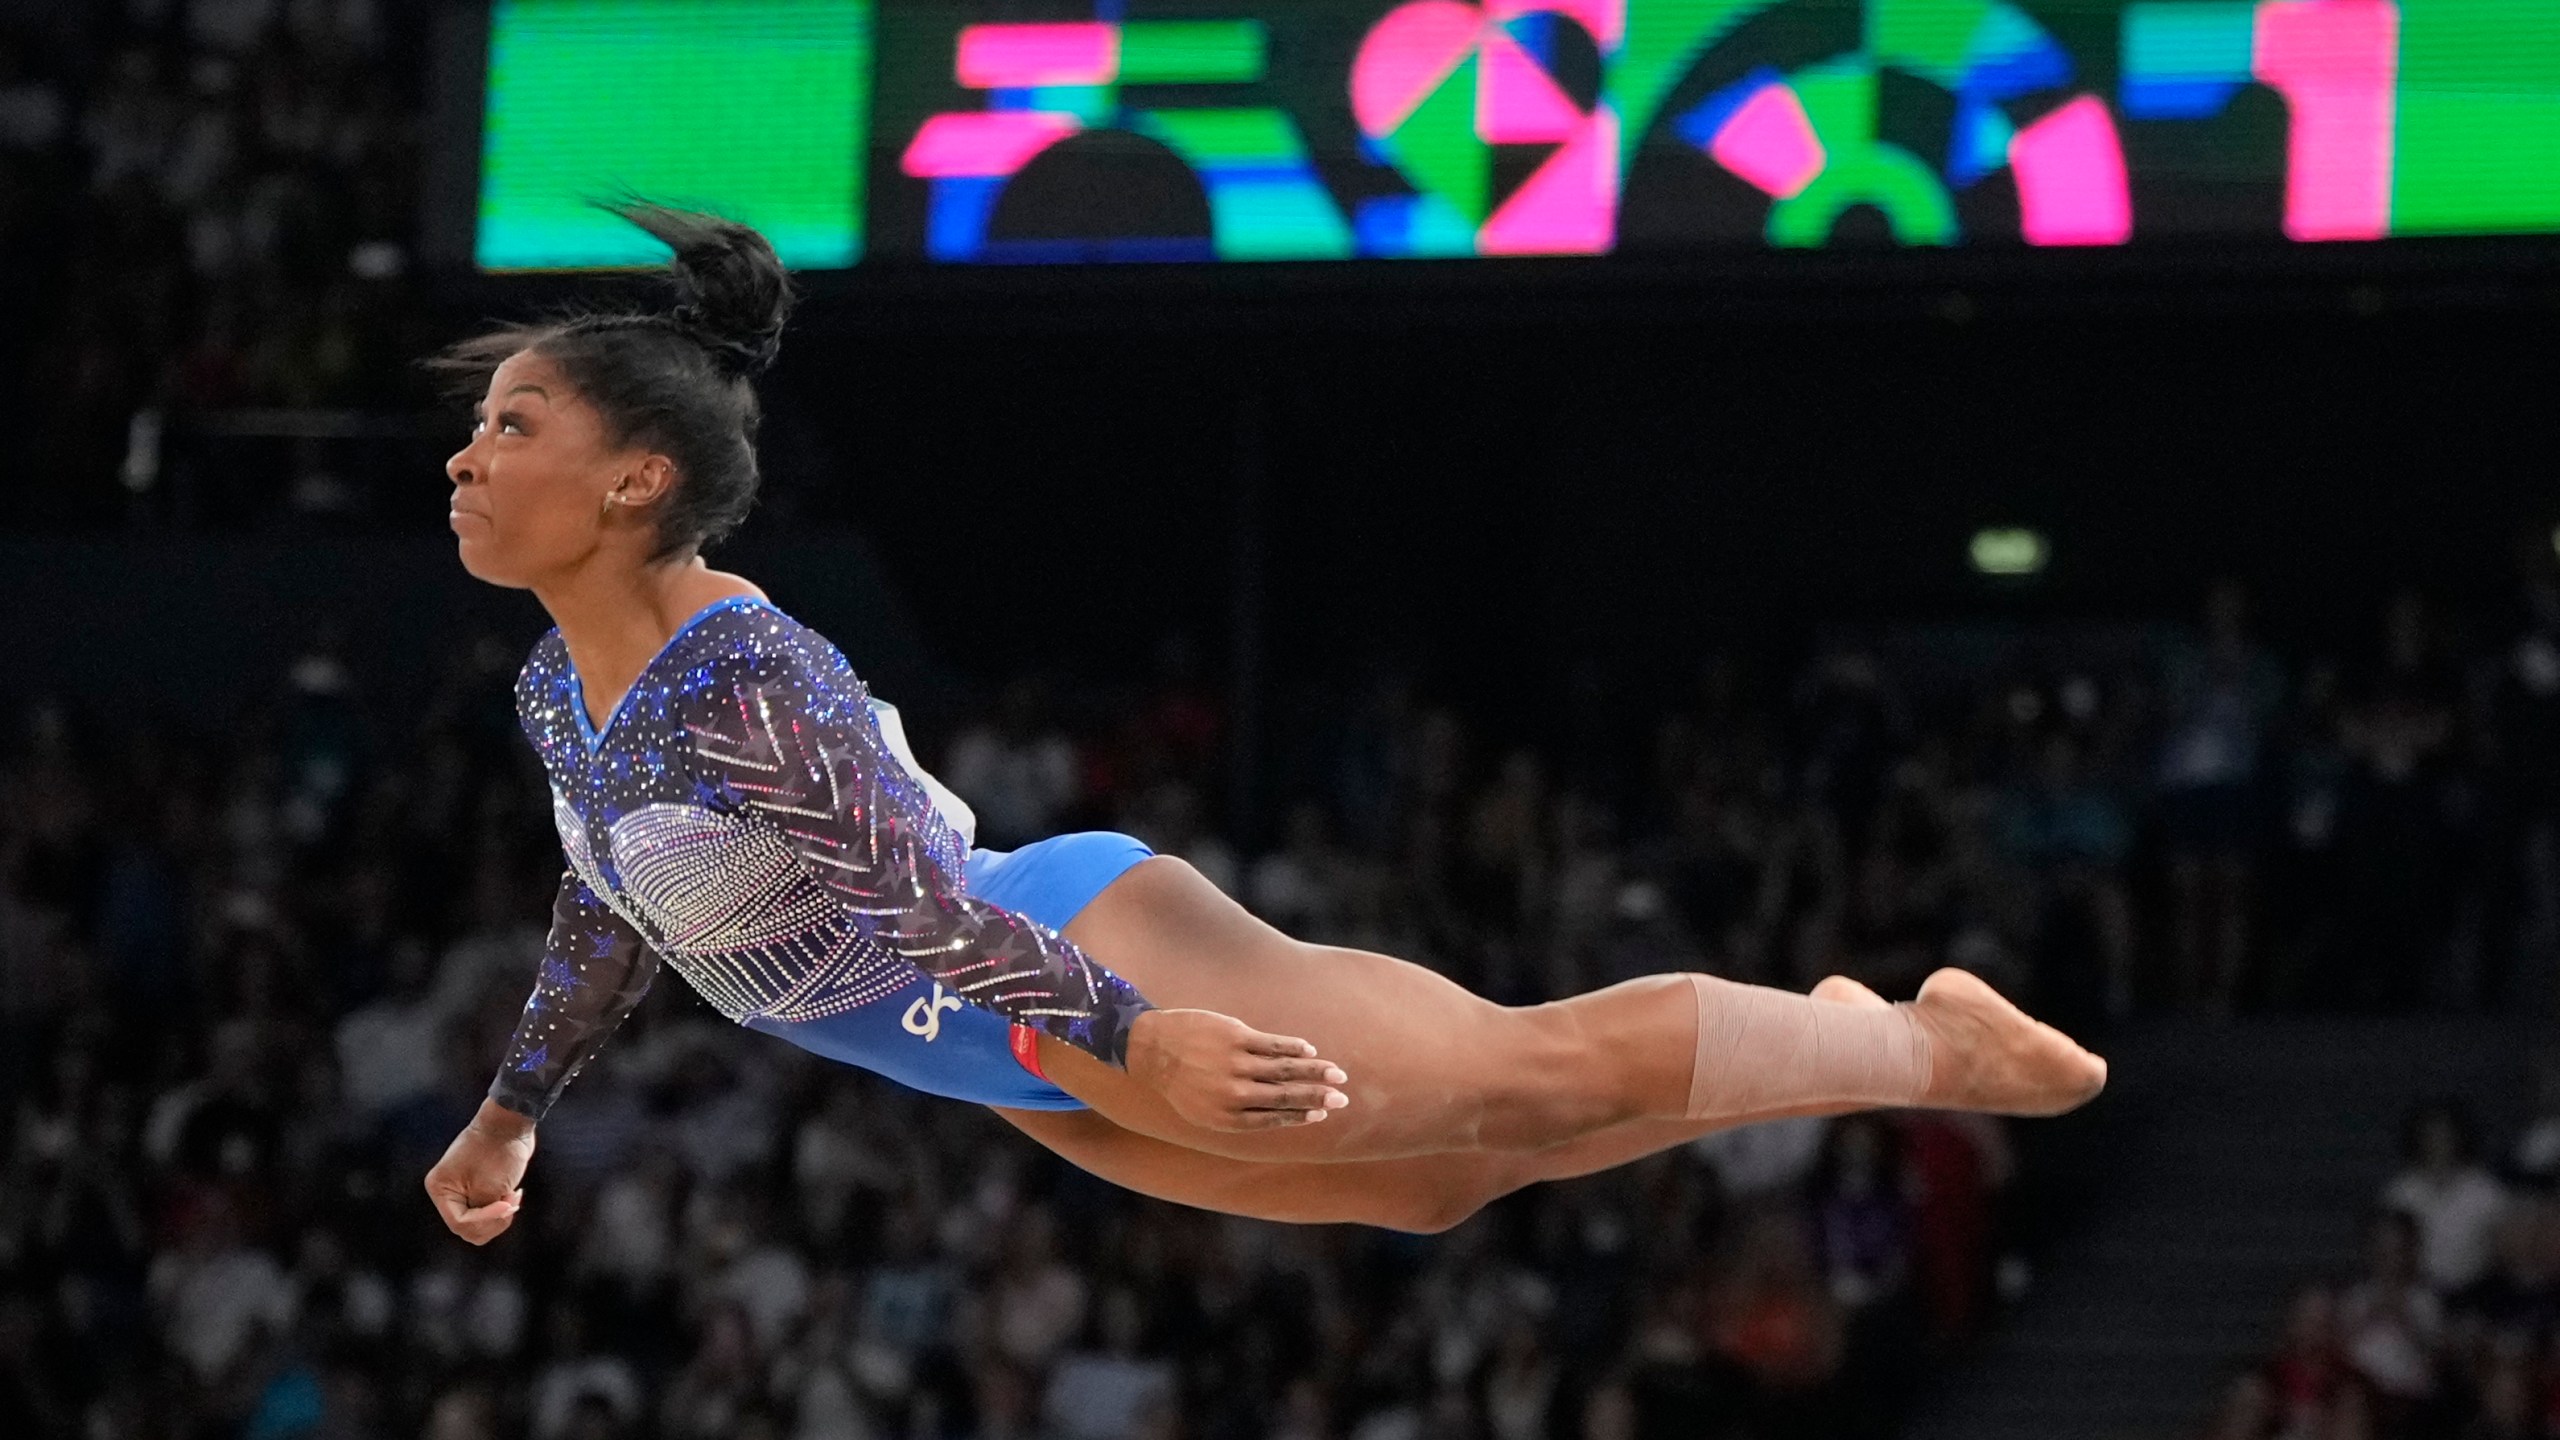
(1026,1048)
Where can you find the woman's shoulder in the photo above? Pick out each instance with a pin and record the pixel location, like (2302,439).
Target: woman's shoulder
(544,669)
(743,631)
(749,641)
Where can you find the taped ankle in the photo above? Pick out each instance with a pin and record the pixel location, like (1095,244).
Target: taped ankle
(1762,1050)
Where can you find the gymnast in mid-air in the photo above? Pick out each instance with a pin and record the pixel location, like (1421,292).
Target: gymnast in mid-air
(732,801)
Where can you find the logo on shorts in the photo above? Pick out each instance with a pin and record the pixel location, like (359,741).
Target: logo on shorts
(925,1016)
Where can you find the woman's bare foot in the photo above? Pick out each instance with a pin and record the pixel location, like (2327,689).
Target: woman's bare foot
(1986,1054)
(1841,990)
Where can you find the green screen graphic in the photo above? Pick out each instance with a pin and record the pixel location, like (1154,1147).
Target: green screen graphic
(2479,132)
(752,108)
(1033,131)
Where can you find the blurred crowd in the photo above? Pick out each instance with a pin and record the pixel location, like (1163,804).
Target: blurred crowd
(203,204)
(253,977)
(2452,1332)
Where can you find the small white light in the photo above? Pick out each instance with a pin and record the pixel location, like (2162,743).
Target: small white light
(2012,550)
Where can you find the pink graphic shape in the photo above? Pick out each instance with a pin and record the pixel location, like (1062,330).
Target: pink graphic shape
(983,143)
(1001,57)
(2071,183)
(1404,58)
(1569,205)
(1770,142)
(1517,102)
(1605,19)
(2336,62)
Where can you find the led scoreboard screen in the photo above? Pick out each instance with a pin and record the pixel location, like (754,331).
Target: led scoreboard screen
(965,131)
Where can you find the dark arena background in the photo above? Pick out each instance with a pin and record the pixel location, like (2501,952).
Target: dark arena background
(1556,491)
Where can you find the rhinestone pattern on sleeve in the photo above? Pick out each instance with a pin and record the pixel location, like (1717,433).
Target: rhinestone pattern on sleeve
(594,970)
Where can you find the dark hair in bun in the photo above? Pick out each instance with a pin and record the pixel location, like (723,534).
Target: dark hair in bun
(677,378)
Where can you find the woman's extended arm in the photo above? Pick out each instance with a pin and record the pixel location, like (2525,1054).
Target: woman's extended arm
(594,970)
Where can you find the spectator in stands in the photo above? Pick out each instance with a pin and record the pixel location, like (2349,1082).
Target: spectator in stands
(2455,1203)
(2307,861)
(1299,886)
(1766,1163)
(1113,1389)
(2309,1371)
(466,1308)
(2219,689)
(32,112)
(1863,1218)
(2400,825)
(221,1301)
(2509,1408)
(2520,749)
(721,1387)
(2389,1323)
(390,1049)
(1864,1234)
(1172,817)
(1018,770)
(2071,838)
(1521,1384)
(579,1374)
(2536,1156)
(2247,1411)
(1038,1303)
(1769,1310)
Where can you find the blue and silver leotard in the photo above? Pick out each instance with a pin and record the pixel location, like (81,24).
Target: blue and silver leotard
(752,815)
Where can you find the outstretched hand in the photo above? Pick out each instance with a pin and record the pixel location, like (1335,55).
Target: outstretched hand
(478,1186)
(1221,1074)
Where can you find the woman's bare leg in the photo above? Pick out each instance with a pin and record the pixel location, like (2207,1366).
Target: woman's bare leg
(1433,1068)
(1635,1139)
(1424,1193)
(1436,1069)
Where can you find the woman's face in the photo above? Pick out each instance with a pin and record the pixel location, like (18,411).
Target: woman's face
(529,490)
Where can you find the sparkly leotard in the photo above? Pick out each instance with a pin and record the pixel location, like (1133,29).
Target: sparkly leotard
(742,815)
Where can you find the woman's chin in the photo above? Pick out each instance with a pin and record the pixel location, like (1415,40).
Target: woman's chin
(477,562)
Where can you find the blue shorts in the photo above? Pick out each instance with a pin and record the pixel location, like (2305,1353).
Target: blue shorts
(1051,880)
(928,1040)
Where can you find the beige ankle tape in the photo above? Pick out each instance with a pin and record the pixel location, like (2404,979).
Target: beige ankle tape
(1761,1051)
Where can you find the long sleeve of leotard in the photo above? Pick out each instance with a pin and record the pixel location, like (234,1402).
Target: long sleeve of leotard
(595,968)
(803,752)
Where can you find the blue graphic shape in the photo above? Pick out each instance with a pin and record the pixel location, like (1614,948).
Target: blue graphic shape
(2185,61)
(1702,122)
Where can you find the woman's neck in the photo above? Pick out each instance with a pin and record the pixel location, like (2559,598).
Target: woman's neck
(615,623)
